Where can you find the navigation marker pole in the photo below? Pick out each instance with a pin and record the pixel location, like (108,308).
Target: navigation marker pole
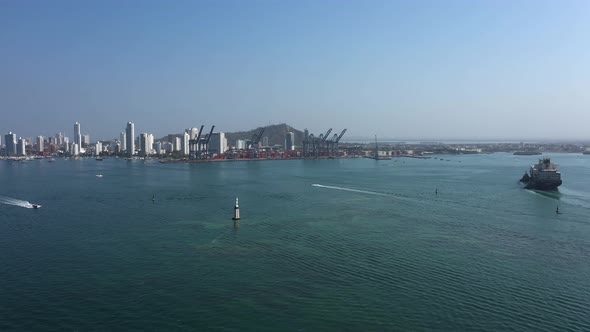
(236,212)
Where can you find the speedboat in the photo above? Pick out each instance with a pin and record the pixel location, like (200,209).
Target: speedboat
(36,206)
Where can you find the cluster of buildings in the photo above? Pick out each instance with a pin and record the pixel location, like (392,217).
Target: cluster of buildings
(128,144)
(44,146)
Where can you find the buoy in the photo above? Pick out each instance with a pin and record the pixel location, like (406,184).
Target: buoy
(557,210)
(236,211)
(436,191)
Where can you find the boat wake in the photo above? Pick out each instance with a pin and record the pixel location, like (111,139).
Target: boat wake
(15,202)
(550,195)
(351,190)
(564,196)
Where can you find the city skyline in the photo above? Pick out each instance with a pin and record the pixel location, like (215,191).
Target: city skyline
(434,70)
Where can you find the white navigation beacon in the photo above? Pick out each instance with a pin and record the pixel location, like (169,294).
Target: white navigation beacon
(236,211)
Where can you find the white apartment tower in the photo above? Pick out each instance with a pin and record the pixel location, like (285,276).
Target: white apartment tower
(98,148)
(21,148)
(185,146)
(123,140)
(143,144)
(240,144)
(86,140)
(150,143)
(193,133)
(176,143)
(40,143)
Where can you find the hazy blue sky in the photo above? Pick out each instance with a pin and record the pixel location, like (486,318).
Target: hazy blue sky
(412,69)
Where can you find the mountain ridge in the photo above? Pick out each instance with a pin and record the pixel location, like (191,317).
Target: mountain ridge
(276,134)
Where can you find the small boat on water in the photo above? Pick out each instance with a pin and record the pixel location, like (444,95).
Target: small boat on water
(99,175)
(36,206)
(99,158)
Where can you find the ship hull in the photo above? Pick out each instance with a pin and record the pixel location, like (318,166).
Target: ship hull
(543,185)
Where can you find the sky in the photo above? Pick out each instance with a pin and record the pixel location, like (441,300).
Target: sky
(398,69)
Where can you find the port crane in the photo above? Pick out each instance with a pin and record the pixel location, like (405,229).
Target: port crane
(332,144)
(322,143)
(199,147)
(252,149)
(315,146)
(255,139)
(207,142)
(195,145)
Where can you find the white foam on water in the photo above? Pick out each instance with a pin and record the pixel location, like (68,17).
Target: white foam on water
(369,192)
(15,202)
(350,189)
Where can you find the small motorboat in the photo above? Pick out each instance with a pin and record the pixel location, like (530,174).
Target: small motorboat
(99,175)
(36,206)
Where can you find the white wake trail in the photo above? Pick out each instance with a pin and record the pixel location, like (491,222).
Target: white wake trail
(351,190)
(15,202)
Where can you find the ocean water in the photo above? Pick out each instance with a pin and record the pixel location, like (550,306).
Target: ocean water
(350,244)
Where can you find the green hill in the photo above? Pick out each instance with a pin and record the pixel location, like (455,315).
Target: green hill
(276,134)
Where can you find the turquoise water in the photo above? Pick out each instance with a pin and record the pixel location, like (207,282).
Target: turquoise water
(351,244)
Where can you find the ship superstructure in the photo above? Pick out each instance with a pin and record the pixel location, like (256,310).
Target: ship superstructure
(542,176)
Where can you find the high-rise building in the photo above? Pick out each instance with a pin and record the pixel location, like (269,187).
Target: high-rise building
(59,137)
(22,146)
(86,140)
(168,147)
(130,133)
(98,148)
(176,143)
(240,144)
(185,147)
(40,143)
(150,143)
(146,143)
(158,147)
(75,149)
(217,143)
(123,140)
(265,141)
(143,144)
(77,134)
(193,133)
(10,141)
(290,141)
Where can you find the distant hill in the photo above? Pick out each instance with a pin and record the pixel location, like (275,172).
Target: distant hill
(276,134)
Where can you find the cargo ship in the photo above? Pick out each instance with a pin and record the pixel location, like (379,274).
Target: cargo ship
(543,176)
